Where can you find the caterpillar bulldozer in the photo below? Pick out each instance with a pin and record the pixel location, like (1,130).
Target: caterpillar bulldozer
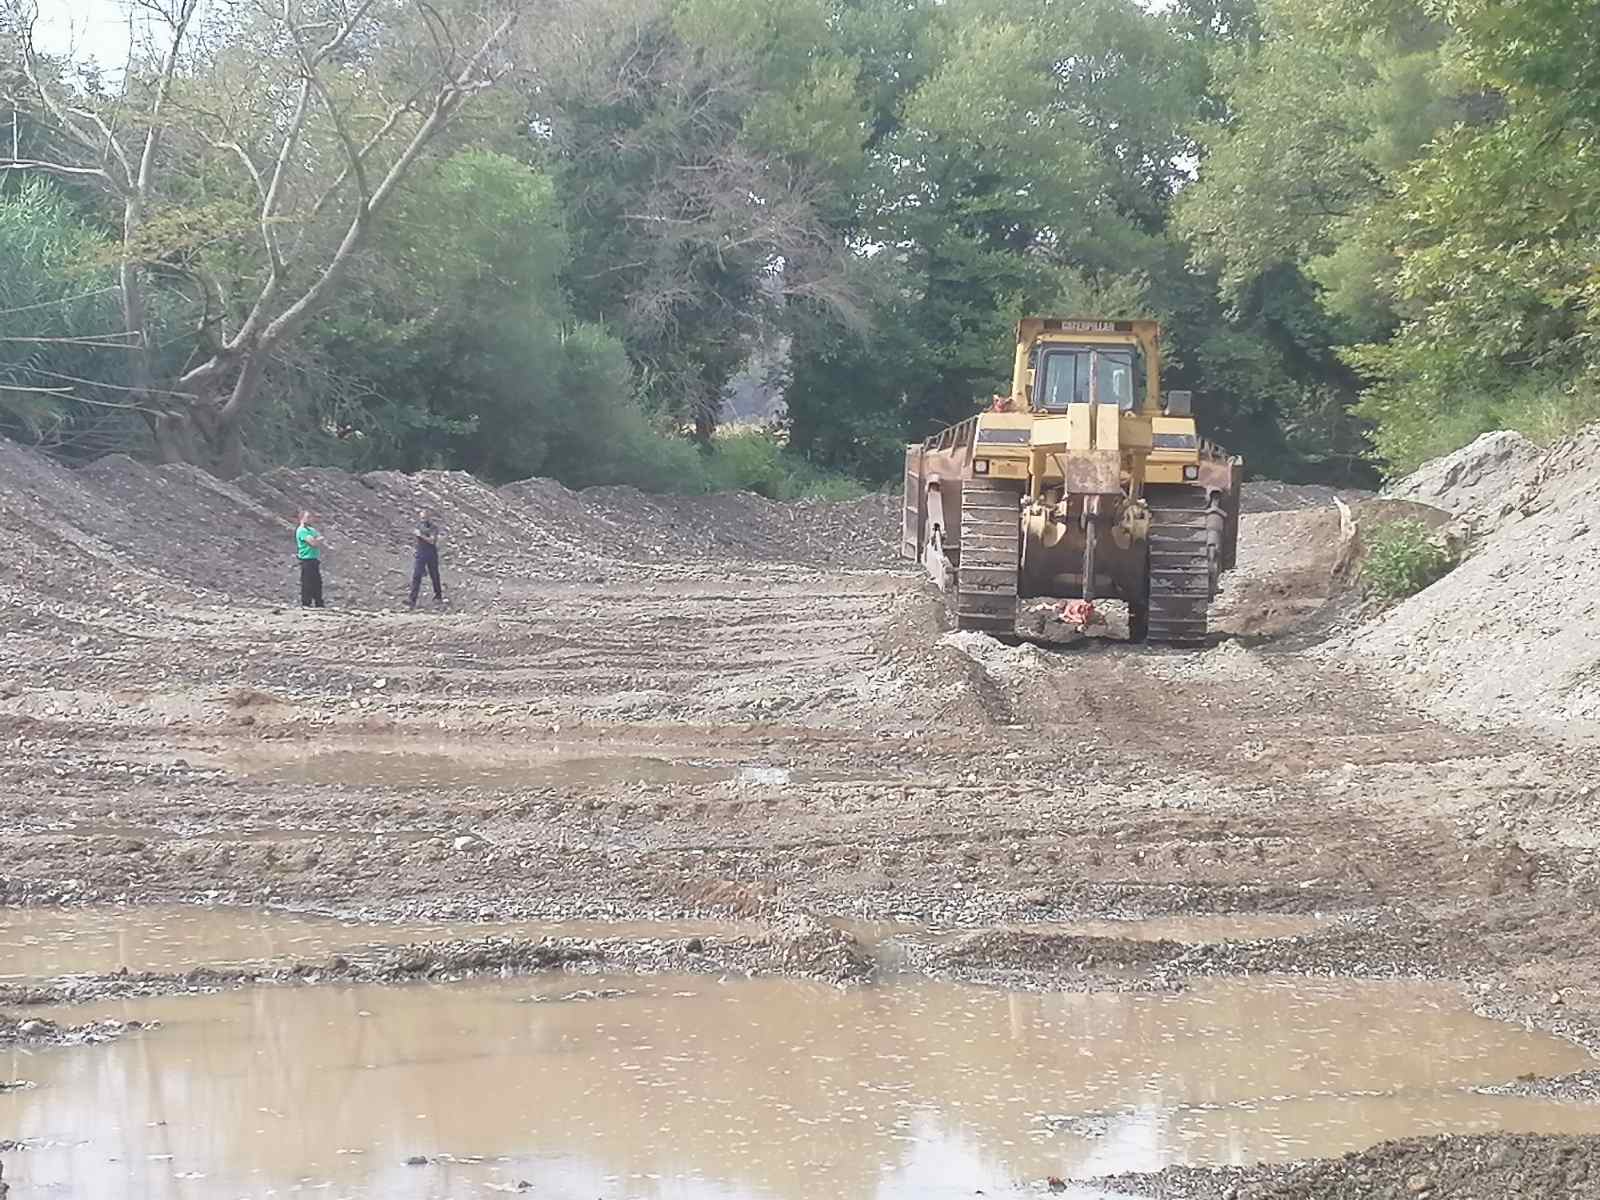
(1085,483)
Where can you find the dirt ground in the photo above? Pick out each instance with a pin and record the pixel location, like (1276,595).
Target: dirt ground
(645,708)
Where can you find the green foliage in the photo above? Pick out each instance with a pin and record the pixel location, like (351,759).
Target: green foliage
(1417,417)
(1402,558)
(63,365)
(776,36)
(1545,49)
(464,352)
(1429,167)
(468,356)
(1498,288)
(817,124)
(756,460)
(1368,227)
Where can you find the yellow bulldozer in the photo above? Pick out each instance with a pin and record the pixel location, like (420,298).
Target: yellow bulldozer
(1085,483)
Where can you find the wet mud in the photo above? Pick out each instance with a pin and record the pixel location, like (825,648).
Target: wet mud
(714,768)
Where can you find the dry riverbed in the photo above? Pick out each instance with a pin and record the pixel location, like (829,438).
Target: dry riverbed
(718,767)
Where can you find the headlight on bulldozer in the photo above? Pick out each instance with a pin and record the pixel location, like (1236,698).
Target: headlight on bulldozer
(980,466)
(1191,472)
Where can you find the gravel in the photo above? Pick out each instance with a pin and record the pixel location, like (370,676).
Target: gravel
(1508,635)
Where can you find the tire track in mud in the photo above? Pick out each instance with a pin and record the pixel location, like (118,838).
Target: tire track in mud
(146,726)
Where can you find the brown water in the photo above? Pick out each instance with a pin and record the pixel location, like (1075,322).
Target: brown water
(38,943)
(696,1089)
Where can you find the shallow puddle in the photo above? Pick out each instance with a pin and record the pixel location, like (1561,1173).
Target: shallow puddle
(38,943)
(752,1090)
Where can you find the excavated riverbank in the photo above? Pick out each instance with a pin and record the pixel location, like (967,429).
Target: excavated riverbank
(727,711)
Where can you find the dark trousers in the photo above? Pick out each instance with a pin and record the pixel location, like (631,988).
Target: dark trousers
(427,561)
(310,583)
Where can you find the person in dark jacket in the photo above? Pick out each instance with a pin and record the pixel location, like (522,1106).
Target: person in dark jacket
(427,557)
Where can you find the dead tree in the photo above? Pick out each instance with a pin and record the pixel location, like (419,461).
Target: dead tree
(322,110)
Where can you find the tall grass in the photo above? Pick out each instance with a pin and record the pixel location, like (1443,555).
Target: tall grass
(1410,429)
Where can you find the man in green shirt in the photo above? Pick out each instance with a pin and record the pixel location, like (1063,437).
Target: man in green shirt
(308,545)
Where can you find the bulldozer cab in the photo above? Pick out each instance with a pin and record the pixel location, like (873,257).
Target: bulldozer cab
(1067,361)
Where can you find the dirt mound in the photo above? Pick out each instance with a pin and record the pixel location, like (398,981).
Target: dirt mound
(61,531)
(1008,665)
(803,945)
(1490,471)
(185,525)
(1508,635)
(1020,950)
(1490,1167)
(123,531)
(744,527)
(1268,495)
(1296,568)
(1284,571)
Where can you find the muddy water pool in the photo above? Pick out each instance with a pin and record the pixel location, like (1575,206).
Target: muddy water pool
(700,1089)
(40,943)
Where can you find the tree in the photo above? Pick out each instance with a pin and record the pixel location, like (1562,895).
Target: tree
(251,161)
(61,337)
(1493,234)
(1029,168)
(1318,111)
(703,150)
(458,348)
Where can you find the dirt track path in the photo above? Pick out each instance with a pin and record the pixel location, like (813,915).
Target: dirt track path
(781,747)
(663,747)
(725,708)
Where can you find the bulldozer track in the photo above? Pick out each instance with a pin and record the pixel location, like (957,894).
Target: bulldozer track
(1182,577)
(986,580)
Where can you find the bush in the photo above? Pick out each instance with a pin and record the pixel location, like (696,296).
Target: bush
(755,460)
(1418,419)
(1403,557)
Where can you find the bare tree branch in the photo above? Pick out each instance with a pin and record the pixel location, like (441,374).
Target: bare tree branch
(446,104)
(279,127)
(111,141)
(27,16)
(367,148)
(53,168)
(249,163)
(308,65)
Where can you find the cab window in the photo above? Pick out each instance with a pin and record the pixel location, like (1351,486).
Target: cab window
(1115,369)
(1081,374)
(1064,380)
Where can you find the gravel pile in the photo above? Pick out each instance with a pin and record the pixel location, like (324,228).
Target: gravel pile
(129,534)
(1508,636)
(1530,1167)
(1484,474)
